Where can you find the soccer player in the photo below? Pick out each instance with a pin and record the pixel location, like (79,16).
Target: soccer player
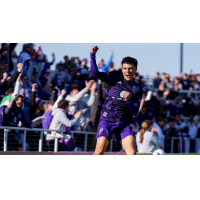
(122,104)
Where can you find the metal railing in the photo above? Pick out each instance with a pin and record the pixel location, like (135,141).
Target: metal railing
(182,140)
(186,142)
(6,131)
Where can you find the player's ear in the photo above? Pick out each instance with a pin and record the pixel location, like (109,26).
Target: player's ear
(134,69)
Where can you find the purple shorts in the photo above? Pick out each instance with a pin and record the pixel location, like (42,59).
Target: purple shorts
(120,129)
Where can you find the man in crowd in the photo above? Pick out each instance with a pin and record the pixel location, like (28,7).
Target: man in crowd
(11,115)
(102,67)
(156,80)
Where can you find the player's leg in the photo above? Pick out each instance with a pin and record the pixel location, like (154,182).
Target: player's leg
(102,143)
(128,144)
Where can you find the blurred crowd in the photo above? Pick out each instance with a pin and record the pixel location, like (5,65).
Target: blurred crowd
(69,98)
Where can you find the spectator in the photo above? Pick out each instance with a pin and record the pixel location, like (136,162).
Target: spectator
(66,64)
(169,133)
(4,51)
(11,116)
(26,92)
(147,139)
(5,85)
(185,82)
(161,90)
(156,80)
(26,60)
(60,120)
(57,75)
(102,67)
(158,124)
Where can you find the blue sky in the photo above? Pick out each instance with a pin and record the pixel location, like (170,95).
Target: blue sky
(152,57)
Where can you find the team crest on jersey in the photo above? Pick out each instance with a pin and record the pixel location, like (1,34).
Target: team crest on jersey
(100,130)
(135,89)
(121,94)
(105,114)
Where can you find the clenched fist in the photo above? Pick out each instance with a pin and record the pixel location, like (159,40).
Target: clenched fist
(63,92)
(20,67)
(94,49)
(34,86)
(126,95)
(88,85)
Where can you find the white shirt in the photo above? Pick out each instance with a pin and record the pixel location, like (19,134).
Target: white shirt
(160,133)
(149,143)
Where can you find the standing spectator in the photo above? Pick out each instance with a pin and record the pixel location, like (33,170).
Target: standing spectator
(156,80)
(26,92)
(185,82)
(46,65)
(158,124)
(57,75)
(4,51)
(102,67)
(66,64)
(169,133)
(26,60)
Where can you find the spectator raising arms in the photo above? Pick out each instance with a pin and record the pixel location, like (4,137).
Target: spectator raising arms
(60,119)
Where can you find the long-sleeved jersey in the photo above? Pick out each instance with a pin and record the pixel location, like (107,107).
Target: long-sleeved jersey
(115,106)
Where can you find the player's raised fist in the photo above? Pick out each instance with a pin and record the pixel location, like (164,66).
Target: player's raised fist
(126,95)
(94,49)
(20,67)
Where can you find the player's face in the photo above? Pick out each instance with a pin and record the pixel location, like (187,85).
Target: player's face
(128,71)
(19,102)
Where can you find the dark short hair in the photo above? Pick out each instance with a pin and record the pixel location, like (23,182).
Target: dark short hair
(130,61)
(159,118)
(171,119)
(63,103)
(25,46)
(24,75)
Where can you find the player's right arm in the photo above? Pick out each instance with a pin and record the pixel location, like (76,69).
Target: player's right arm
(95,72)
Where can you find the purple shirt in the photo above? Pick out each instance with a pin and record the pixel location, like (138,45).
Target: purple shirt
(115,106)
(47,121)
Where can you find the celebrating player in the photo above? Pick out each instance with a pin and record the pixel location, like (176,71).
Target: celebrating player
(122,104)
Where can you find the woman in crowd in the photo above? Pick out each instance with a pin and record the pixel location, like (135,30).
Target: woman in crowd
(147,139)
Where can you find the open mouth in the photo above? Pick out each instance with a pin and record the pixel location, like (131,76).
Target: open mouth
(128,76)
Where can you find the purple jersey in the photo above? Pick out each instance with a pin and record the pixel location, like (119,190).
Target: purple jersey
(115,106)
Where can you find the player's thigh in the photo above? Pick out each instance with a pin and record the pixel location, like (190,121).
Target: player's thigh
(101,145)
(128,144)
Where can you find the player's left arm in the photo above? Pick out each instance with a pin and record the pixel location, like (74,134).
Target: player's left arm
(133,105)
